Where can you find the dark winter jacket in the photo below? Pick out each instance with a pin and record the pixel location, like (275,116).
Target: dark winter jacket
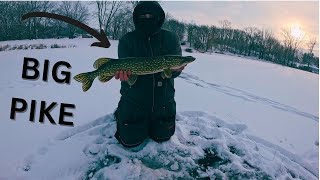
(149,91)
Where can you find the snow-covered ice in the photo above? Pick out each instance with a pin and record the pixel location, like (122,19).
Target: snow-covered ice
(236,118)
(203,146)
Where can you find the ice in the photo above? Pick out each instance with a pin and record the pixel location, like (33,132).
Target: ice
(187,155)
(236,117)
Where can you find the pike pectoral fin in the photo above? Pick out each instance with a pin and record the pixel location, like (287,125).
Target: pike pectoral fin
(104,78)
(99,62)
(162,75)
(167,73)
(132,79)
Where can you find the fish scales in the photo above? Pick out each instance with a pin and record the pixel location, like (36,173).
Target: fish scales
(106,67)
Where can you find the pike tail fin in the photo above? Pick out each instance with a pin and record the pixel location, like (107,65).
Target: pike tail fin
(86,79)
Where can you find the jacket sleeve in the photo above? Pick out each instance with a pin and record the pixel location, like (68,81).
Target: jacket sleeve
(177,51)
(123,49)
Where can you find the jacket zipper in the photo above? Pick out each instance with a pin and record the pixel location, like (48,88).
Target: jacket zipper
(153,81)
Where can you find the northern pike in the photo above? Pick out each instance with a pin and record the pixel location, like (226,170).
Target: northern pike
(106,68)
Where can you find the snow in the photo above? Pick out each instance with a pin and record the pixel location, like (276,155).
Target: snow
(236,117)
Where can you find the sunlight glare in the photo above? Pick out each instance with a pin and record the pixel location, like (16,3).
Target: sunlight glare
(296,31)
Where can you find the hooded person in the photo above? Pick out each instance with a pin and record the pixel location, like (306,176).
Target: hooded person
(147,108)
(152,24)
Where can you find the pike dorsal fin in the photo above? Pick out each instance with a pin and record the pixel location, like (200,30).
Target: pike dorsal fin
(99,62)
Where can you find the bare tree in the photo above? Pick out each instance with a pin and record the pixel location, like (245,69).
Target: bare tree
(308,58)
(175,26)
(311,43)
(34,23)
(106,11)
(225,25)
(263,46)
(7,18)
(10,19)
(252,34)
(238,41)
(134,3)
(76,10)
(191,33)
(121,24)
(224,33)
(291,45)
(213,35)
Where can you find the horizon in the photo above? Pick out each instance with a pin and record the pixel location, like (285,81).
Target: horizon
(296,15)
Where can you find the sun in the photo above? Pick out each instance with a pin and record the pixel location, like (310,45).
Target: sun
(296,31)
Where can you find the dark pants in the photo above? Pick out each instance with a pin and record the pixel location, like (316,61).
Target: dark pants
(136,123)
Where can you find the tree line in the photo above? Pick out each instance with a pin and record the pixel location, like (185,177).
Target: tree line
(12,28)
(115,17)
(249,41)
(112,16)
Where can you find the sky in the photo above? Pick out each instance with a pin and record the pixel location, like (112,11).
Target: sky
(273,15)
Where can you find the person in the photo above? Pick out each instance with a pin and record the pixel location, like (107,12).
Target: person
(148,107)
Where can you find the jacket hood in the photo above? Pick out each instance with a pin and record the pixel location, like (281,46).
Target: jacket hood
(149,7)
